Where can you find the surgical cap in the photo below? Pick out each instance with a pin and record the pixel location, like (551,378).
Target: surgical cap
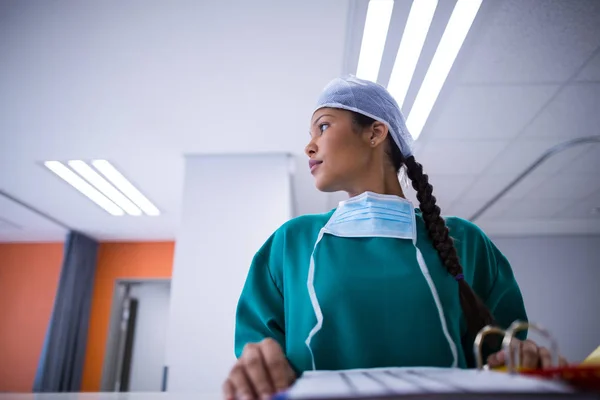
(372,100)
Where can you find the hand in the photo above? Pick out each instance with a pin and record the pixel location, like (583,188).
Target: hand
(530,354)
(261,371)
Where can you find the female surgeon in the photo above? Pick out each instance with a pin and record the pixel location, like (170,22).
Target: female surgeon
(375,282)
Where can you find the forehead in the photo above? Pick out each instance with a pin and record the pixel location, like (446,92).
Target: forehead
(334,112)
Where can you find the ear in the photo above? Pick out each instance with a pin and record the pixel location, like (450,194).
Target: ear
(378,133)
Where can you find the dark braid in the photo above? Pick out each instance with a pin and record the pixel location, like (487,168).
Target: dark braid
(476,313)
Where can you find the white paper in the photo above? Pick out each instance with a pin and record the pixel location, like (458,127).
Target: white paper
(394,381)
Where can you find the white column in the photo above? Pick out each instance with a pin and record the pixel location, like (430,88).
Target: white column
(231,205)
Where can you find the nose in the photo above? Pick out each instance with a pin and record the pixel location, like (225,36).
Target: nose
(310,149)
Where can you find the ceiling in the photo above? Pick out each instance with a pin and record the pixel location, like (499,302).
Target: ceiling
(144,83)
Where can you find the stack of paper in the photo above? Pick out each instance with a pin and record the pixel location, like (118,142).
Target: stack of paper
(415,381)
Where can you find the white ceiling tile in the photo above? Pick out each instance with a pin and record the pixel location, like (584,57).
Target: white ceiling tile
(591,72)
(523,152)
(535,209)
(446,188)
(577,211)
(497,112)
(573,113)
(562,161)
(588,208)
(537,227)
(488,186)
(595,197)
(462,208)
(564,186)
(580,212)
(444,156)
(535,41)
(467,208)
(587,163)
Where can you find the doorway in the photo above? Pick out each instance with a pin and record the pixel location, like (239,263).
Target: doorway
(135,349)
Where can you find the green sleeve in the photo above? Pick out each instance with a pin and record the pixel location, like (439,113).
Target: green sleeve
(489,272)
(495,283)
(260,311)
(504,299)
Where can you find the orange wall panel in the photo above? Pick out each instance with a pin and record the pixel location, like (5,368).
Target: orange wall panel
(29,275)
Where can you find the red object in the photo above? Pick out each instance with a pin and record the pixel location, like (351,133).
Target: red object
(585,377)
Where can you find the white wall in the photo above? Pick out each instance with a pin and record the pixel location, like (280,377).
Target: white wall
(560,281)
(231,205)
(150,336)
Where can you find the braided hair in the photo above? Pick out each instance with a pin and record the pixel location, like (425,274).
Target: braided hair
(476,313)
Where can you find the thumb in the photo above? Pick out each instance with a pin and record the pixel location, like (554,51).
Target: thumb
(497,359)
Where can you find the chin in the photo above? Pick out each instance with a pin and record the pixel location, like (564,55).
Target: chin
(325,185)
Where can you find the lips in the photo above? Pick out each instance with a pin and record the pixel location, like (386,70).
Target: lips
(312,164)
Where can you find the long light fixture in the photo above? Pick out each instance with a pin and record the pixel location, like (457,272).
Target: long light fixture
(80,184)
(109,188)
(379,13)
(103,186)
(411,45)
(458,27)
(121,183)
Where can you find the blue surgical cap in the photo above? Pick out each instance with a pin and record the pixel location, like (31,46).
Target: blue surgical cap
(370,99)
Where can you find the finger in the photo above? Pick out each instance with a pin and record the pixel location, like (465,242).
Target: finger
(228,390)
(254,366)
(497,359)
(512,355)
(545,358)
(291,375)
(276,364)
(239,383)
(529,354)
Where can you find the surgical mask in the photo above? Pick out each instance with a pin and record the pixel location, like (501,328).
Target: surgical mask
(374,215)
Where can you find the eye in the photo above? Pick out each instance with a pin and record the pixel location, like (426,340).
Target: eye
(323,126)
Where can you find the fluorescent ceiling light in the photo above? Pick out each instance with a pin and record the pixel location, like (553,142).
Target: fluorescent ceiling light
(88,190)
(379,13)
(460,22)
(117,179)
(104,187)
(411,45)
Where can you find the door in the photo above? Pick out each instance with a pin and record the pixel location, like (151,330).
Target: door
(149,336)
(135,351)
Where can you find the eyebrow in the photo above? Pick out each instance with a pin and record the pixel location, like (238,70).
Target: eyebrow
(324,115)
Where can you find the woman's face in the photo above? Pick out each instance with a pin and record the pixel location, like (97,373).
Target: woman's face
(338,155)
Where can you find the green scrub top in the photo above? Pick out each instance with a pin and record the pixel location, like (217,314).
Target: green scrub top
(378,310)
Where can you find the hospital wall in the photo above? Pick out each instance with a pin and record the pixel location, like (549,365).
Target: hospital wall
(231,205)
(29,276)
(560,280)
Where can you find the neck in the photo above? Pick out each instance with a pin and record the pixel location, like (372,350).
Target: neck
(386,184)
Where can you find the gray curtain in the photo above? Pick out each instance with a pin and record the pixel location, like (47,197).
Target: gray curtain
(61,362)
